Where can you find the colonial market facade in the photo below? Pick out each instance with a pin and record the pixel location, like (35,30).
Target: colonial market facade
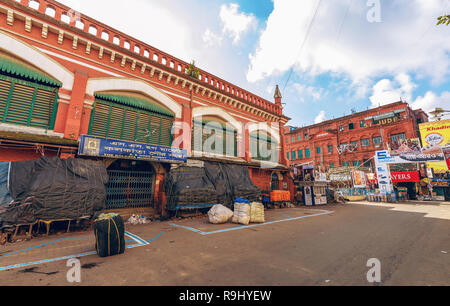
(65,77)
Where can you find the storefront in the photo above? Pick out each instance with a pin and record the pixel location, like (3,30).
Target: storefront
(136,170)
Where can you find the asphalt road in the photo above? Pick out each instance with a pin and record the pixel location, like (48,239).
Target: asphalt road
(411,242)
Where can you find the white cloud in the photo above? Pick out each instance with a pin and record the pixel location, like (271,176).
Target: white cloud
(235,23)
(387,91)
(211,39)
(304,91)
(320,118)
(431,101)
(153,22)
(406,40)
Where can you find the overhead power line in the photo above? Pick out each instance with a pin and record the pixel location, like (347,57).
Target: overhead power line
(303,44)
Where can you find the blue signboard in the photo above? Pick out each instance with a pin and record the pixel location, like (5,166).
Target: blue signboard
(96,146)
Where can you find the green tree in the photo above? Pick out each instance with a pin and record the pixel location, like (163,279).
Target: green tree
(444,20)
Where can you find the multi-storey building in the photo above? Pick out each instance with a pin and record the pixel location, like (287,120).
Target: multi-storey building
(64,75)
(352,141)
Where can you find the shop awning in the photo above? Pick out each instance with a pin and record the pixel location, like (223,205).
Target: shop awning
(15,68)
(136,102)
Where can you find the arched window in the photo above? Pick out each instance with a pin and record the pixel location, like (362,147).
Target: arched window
(79,24)
(50,11)
(146,53)
(137,49)
(164,61)
(34,4)
(105,35)
(155,57)
(65,18)
(28,97)
(263,147)
(93,30)
(116,40)
(126,45)
(213,135)
(133,118)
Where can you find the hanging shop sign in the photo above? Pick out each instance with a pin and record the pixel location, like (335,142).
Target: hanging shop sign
(436,135)
(100,147)
(405,177)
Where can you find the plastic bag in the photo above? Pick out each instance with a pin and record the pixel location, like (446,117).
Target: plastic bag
(219,214)
(257,213)
(241,214)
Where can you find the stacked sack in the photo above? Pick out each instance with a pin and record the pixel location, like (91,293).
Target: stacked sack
(241,212)
(257,213)
(219,214)
(109,235)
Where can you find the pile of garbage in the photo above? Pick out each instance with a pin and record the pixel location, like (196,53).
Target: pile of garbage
(135,220)
(244,213)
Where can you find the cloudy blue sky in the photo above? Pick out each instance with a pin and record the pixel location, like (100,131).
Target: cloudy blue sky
(335,59)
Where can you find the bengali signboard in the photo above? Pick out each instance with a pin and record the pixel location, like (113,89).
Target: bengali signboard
(436,135)
(100,147)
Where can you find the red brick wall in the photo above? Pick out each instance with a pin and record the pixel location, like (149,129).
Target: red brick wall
(327,133)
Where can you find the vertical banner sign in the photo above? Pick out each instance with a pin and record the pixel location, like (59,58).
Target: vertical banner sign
(382,160)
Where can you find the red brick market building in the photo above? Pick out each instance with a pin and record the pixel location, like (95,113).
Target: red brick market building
(352,141)
(64,74)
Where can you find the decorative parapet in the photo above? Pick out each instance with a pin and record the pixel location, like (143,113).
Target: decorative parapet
(135,51)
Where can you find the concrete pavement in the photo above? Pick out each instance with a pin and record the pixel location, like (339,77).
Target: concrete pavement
(411,241)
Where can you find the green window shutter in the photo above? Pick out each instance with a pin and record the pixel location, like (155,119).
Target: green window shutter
(100,122)
(25,103)
(5,90)
(20,105)
(166,132)
(155,128)
(43,109)
(307,153)
(129,125)
(142,133)
(115,121)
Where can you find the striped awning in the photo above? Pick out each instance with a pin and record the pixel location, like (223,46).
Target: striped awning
(136,102)
(15,68)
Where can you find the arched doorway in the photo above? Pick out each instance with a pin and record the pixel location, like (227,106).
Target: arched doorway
(275,181)
(131,184)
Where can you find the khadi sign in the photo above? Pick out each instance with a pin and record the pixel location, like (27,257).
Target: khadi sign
(405,177)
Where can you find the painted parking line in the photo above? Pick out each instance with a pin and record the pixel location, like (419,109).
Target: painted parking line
(49,243)
(141,242)
(322,212)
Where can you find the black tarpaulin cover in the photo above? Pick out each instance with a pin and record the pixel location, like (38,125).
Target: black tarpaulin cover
(53,189)
(215,183)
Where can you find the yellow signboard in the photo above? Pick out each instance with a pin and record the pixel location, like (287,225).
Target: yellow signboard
(436,134)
